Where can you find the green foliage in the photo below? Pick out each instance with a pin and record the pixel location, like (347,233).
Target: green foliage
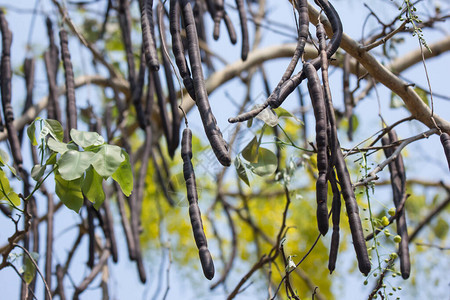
(6,193)
(79,174)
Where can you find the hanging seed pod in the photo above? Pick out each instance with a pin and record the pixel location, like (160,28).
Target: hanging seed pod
(398,183)
(5,85)
(318,103)
(194,211)
(148,39)
(71,106)
(178,49)
(212,131)
(445,141)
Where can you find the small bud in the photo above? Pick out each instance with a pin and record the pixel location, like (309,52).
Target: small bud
(391,212)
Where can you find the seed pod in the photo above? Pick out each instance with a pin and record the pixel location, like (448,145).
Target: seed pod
(137,92)
(151,55)
(71,106)
(230,28)
(162,108)
(281,93)
(218,16)
(351,206)
(332,136)
(178,49)
(5,85)
(125,28)
(445,141)
(244,29)
(302,8)
(318,103)
(212,131)
(175,126)
(336,216)
(194,210)
(398,182)
(51,60)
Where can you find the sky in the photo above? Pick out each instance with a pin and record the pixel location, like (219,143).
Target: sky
(352,14)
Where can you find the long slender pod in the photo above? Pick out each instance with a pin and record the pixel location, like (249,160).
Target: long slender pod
(244,29)
(398,183)
(194,210)
(151,56)
(336,216)
(336,157)
(332,134)
(212,131)
(351,206)
(51,60)
(175,128)
(91,233)
(5,85)
(302,7)
(336,26)
(199,13)
(125,28)
(71,106)
(218,16)
(53,48)
(276,99)
(318,103)
(162,108)
(230,28)
(178,49)
(445,141)
(137,92)
(348,103)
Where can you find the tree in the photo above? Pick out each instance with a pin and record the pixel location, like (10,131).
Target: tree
(273,220)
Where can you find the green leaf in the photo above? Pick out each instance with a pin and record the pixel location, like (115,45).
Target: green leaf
(124,175)
(268,117)
(14,198)
(266,164)
(86,139)
(250,152)
(92,188)
(54,128)
(282,113)
(4,158)
(29,269)
(240,169)
(57,146)
(73,164)
(60,147)
(69,192)
(31,132)
(51,160)
(37,172)
(422,94)
(4,184)
(108,159)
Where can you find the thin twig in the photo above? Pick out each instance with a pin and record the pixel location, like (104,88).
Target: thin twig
(372,175)
(49,293)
